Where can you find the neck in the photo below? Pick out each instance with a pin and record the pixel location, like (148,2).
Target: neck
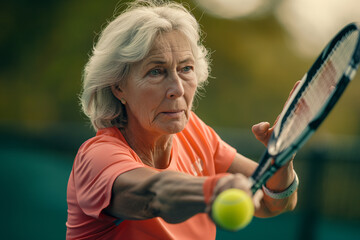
(153,151)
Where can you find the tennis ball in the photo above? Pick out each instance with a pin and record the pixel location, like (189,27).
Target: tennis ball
(233,209)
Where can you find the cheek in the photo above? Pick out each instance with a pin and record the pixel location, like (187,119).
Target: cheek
(145,102)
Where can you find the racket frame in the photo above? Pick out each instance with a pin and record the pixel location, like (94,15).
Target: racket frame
(271,161)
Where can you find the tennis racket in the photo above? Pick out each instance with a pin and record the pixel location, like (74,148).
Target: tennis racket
(311,102)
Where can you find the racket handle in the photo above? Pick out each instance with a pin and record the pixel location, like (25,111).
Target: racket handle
(262,179)
(263,164)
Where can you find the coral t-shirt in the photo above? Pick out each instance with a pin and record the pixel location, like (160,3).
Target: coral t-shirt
(197,150)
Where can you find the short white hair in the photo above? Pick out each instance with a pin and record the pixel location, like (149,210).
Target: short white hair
(126,40)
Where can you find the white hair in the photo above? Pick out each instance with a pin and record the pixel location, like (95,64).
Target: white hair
(126,40)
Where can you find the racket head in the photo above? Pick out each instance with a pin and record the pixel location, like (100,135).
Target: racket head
(345,71)
(282,147)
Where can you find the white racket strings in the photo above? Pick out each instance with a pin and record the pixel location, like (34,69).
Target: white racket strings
(318,91)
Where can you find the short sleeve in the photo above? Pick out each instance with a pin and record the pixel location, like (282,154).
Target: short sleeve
(222,153)
(95,169)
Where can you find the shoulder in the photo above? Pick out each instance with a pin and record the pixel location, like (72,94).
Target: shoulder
(108,144)
(104,137)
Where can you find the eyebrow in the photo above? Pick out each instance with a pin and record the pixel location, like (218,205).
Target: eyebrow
(155,62)
(189,59)
(160,62)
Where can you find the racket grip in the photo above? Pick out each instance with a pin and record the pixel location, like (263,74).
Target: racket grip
(262,179)
(263,164)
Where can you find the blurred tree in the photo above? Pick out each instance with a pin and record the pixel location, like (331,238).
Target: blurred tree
(45,45)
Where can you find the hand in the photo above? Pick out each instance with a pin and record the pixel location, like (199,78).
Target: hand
(238,181)
(262,131)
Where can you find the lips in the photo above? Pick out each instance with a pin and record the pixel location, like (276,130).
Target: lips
(173,113)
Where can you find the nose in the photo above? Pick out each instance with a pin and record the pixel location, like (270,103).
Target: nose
(176,88)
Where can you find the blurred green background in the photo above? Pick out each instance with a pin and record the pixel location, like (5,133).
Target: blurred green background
(44,47)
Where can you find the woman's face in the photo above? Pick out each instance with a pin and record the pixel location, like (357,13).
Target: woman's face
(159,90)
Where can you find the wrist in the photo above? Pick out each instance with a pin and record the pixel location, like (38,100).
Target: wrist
(282,178)
(209,186)
(285,193)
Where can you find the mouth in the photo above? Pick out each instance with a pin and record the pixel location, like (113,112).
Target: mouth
(174,113)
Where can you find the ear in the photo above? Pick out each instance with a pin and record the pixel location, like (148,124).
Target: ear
(118,93)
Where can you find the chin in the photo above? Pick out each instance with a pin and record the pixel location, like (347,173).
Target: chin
(175,127)
(172,126)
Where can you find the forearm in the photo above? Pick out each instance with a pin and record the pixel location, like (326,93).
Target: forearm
(178,196)
(278,183)
(170,195)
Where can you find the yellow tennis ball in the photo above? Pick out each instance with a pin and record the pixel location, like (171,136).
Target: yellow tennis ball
(233,209)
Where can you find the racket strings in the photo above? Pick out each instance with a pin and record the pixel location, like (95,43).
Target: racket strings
(318,91)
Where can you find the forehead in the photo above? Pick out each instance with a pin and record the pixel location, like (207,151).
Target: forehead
(170,42)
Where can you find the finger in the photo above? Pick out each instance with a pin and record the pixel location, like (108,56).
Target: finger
(257,198)
(243,183)
(260,128)
(261,132)
(233,181)
(223,184)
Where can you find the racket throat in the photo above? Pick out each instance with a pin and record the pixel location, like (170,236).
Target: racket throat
(261,175)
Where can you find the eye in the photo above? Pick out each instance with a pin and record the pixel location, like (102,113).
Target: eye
(187,69)
(155,72)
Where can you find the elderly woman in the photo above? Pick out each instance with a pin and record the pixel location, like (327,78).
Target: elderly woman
(154,168)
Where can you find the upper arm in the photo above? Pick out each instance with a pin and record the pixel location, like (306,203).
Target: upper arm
(242,165)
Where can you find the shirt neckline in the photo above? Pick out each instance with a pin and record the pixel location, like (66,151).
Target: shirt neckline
(173,154)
